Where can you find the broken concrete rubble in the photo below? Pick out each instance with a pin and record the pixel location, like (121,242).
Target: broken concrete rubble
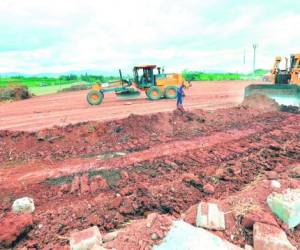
(275,184)
(23,205)
(110,236)
(268,237)
(185,236)
(248,247)
(97,247)
(286,206)
(85,239)
(210,216)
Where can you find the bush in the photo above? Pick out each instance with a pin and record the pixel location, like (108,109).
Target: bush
(201,76)
(14,93)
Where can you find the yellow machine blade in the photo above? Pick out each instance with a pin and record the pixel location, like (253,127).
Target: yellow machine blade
(283,94)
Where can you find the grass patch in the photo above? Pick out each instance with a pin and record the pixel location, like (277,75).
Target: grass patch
(14,92)
(241,207)
(45,90)
(48,85)
(203,76)
(59,180)
(112,176)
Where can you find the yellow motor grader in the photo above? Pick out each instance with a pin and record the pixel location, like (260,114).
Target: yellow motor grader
(148,78)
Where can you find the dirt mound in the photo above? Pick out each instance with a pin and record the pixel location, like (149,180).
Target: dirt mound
(260,102)
(76,88)
(132,134)
(14,93)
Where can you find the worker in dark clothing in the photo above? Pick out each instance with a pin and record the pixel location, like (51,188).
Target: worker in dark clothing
(180,95)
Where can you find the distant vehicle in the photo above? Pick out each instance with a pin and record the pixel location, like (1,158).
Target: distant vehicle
(286,83)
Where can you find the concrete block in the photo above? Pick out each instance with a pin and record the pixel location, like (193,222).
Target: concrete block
(275,184)
(248,247)
(86,239)
(23,205)
(210,216)
(286,206)
(110,236)
(185,236)
(268,237)
(97,247)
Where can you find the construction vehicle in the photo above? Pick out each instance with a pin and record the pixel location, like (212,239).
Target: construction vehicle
(285,87)
(156,85)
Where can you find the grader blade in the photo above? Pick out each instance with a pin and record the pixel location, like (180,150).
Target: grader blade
(283,94)
(128,94)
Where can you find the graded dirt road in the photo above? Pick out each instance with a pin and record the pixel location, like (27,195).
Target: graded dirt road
(65,108)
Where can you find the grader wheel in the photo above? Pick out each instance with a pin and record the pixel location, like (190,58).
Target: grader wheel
(94,97)
(171,92)
(154,93)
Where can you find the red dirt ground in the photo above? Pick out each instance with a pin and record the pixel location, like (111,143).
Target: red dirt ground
(64,108)
(111,172)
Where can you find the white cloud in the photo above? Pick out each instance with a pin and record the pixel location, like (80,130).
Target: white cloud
(58,36)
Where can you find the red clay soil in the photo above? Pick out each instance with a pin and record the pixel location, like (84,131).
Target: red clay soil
(78,177)
(244,208)
(65,108)
(142,234)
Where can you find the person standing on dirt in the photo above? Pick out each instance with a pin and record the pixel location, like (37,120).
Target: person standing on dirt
(179,97)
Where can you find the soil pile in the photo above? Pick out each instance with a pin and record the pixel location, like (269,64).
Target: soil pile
(260,102)
(14,93)
(132,134)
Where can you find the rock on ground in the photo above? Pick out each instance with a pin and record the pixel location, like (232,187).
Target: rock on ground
(23,205)
(86,239)
(250,218)
(209,189)
(286,206)
(97,247)
(275,184)
(272,175)
(110,236)
(13,226)
(185,236)
(268,237)
(209,216)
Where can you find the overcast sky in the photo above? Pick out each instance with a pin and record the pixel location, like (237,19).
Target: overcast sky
(68,35)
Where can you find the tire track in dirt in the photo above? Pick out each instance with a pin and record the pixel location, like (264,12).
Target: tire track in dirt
(165,174)
(64,108)
(165,183)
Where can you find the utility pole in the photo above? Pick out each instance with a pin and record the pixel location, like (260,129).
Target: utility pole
(244,56)
(254,56)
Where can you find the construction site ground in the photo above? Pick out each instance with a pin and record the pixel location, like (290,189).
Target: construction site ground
(72,107)
(111,167)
